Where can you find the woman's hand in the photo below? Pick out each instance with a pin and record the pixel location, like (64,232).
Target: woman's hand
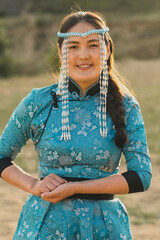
(48,184)
(61,192)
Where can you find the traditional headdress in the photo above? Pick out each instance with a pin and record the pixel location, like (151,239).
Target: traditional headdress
(64,79)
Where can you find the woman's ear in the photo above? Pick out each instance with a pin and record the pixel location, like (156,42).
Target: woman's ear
(108,51)
(60,52)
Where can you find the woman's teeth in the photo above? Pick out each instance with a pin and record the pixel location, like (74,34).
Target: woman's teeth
(84,66)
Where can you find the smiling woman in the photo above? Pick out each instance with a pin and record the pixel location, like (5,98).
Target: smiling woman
(80,128)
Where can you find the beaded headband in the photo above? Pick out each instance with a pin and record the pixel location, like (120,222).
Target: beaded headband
(78,34)
(64,80)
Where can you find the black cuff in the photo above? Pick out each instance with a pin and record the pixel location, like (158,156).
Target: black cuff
(4,163)
(134,181)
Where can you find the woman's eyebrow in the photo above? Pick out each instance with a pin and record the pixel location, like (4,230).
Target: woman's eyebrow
(73,42)
(91,40)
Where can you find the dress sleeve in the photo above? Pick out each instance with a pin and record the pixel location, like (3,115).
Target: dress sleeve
(17,131)
(136,151)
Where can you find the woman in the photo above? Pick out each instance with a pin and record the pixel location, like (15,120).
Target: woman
(80,128)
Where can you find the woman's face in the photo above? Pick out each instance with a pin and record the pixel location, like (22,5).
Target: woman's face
(84,56)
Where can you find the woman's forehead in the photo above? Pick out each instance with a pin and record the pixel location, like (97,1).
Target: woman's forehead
(81,27)
(89,38)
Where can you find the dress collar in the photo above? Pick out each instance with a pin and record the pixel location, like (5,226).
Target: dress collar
(75,89)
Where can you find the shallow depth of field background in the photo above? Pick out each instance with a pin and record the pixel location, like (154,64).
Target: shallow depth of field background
(28,56)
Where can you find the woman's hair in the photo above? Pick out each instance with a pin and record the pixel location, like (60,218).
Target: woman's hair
(116,87)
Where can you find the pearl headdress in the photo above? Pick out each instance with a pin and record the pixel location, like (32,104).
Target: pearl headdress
(64,79)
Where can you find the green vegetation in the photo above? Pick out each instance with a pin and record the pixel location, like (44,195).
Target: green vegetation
(61,6)
(31,37)
(5,60)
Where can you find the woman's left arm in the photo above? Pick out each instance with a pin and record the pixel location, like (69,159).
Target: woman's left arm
(115,184)
(138,175)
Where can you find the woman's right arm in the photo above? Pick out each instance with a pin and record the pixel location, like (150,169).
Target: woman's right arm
(13,138)
(15,176)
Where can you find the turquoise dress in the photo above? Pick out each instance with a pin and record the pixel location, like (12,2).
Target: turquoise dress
(86,155)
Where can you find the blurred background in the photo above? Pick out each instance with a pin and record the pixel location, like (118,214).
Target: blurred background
(28,59)
(28,31)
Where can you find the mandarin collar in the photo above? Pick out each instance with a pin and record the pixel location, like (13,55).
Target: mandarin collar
(74,89)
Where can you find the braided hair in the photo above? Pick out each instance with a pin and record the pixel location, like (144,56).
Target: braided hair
(115,106)
(116,111)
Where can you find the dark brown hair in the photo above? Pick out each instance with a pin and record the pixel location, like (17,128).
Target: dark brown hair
(115,87)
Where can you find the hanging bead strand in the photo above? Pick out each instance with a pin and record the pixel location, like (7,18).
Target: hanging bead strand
(65,106)
(103,88)
(100,81)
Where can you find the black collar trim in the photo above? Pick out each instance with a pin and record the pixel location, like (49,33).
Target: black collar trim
(73,87)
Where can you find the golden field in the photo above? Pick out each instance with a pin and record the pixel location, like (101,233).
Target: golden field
(143,208)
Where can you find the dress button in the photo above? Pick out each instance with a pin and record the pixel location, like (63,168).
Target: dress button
(74,95)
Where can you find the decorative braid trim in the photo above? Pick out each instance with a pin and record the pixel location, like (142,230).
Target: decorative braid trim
(64,78)
(103,88)
(78,34)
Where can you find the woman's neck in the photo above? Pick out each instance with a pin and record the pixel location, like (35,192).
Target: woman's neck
(83,91)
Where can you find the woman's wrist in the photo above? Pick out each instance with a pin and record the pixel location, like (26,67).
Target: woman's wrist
(34,187)
(76,186)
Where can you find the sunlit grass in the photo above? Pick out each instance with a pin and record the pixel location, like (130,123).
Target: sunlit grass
(140,217)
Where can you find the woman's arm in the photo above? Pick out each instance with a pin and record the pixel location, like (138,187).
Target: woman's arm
(15,176)
(115,184)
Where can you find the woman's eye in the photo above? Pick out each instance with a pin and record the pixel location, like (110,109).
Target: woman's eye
(73,47)
(94,45)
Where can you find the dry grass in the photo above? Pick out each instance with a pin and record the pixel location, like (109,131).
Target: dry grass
(143,208)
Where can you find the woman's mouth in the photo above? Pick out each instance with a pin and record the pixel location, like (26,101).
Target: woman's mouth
(84,66)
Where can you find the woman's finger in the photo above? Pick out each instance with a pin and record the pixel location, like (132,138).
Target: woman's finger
(52,181)
(59,179)
(45,187)
(49,194)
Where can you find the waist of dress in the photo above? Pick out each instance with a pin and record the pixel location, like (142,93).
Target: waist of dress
(89,196)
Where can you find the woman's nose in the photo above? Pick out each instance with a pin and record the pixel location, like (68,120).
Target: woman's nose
(84,53)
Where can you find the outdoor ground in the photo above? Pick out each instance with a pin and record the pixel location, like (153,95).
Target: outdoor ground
(143,208)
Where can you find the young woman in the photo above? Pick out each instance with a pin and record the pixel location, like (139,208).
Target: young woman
(80,128)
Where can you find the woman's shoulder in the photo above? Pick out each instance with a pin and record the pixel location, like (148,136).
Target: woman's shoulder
(129,100)
(39,95)
(130,104)
(39,92)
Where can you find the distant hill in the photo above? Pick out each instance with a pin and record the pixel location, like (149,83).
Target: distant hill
(31,26)
(17,7)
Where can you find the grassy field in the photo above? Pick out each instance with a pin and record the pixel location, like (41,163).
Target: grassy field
(143,208)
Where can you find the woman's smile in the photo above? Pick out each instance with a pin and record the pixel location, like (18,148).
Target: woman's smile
(84,66)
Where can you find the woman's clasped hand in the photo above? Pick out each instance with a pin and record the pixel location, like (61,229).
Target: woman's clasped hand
(52,188)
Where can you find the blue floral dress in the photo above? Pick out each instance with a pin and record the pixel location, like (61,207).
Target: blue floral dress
(86,155)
